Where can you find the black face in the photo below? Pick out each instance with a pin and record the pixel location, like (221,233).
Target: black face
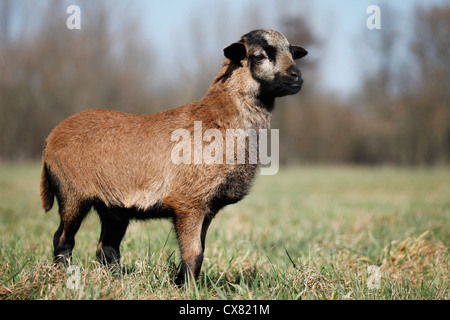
(270,58)
(266,70)
(281,85)
(286,85)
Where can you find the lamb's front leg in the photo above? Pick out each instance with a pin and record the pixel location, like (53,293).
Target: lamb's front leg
(188,227)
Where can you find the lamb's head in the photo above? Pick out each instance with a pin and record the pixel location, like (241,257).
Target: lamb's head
(270,59)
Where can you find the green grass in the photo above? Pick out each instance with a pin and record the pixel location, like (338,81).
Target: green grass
(305,233)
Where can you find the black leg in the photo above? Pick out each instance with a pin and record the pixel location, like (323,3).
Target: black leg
(64,238)
(62,246)
(205,226)
(114,226)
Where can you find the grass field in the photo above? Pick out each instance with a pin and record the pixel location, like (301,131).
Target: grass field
(305,233)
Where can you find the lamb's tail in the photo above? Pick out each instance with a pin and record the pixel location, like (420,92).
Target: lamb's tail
(47,195)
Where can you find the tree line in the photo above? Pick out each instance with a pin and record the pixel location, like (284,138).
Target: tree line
(400,115)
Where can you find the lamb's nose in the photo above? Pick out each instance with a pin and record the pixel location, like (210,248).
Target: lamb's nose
(294,73)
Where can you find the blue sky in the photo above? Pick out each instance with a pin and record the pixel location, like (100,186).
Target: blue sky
(345,53)
(344,56)
(348,53)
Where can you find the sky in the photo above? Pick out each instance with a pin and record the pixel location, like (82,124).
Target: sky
(348,53)
(345,53)
(345,56)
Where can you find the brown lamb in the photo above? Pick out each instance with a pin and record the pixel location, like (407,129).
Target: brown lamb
(121,164)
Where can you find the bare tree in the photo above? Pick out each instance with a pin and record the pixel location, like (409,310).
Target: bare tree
(57,72)
(430,106)
(408,102)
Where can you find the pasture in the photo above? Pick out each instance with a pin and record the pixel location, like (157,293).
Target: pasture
(304,233)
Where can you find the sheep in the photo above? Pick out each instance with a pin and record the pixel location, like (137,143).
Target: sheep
(120,164)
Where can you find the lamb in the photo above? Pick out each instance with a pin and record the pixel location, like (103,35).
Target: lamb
(121,164)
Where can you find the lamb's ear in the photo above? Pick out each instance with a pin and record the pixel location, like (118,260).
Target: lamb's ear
(235,52)
(298,52)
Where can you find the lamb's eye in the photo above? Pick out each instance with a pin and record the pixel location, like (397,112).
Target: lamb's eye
(259,58)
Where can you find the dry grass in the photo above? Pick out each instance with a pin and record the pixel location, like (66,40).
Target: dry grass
(306,233)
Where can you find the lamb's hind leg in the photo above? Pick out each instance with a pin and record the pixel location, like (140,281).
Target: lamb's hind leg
(114,225)
(72,214)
